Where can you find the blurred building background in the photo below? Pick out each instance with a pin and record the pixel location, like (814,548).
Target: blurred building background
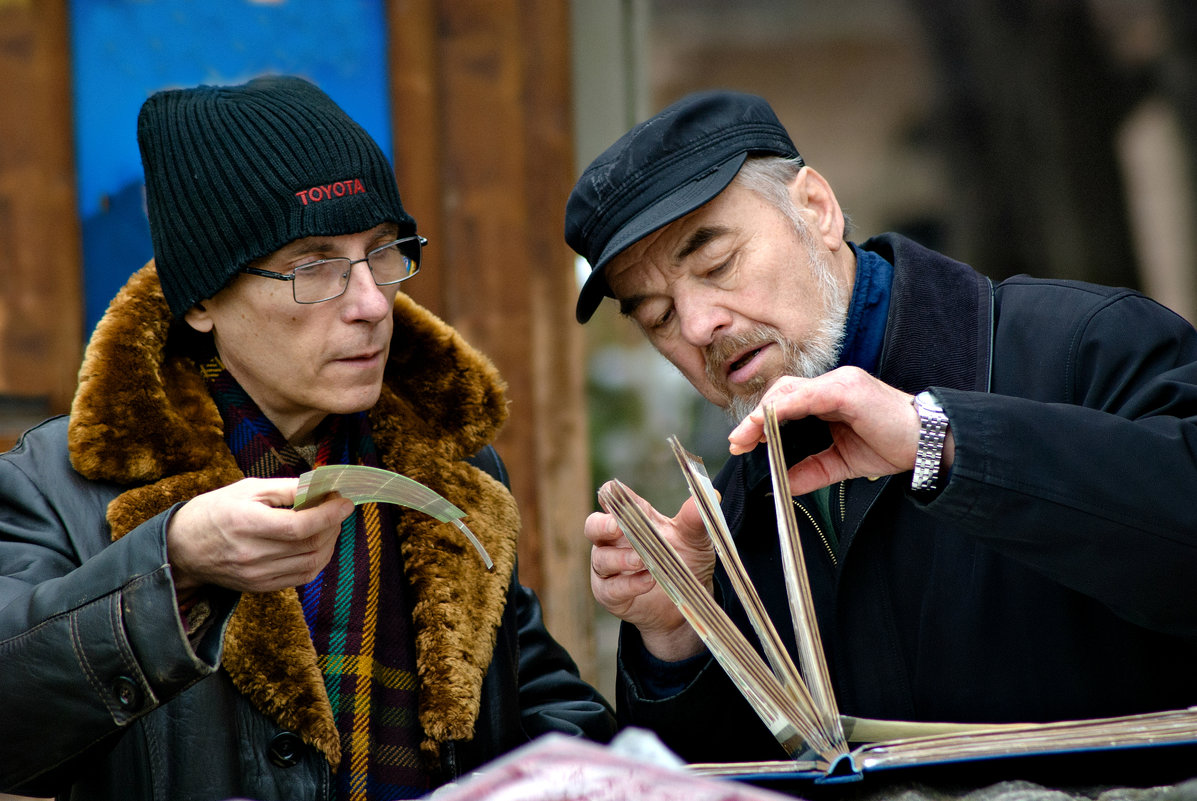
(1051,137)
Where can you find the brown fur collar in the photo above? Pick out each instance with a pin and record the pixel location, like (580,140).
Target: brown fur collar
(142,417)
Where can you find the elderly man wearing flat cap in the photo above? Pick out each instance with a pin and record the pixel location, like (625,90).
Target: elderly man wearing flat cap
(170,626)
(994,480)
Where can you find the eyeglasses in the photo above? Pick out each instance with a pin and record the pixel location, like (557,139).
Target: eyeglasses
(322,280)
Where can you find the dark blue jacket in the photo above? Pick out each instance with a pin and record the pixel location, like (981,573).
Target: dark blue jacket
(1050,579)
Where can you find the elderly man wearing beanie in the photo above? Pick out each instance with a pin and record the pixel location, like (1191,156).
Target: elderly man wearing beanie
(994,480)
(169,626)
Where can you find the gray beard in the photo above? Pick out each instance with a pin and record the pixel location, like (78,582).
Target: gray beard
(807,359)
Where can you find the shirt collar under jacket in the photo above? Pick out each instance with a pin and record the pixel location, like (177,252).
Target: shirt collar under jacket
(864,328)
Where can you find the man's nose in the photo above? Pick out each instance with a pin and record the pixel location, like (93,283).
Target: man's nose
(368,299)
(701,320)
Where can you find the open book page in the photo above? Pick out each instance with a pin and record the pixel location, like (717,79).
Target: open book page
(362,484)
(1154,728)
(830,739)
(869,730)
(802,607)
(703,492)
(791,724)
(981,741)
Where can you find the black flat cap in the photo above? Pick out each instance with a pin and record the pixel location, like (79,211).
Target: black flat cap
(661,170)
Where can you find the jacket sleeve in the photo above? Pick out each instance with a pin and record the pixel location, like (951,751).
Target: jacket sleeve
(532,686)
(1089,476)
(553,698)
(707,720)
(90,635)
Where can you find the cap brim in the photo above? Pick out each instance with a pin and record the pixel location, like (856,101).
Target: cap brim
(673,206)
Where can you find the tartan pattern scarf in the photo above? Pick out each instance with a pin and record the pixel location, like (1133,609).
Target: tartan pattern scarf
(356,609)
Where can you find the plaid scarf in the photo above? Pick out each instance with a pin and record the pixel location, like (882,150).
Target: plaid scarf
(356,609)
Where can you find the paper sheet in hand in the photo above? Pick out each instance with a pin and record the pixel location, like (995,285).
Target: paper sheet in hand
(362,484)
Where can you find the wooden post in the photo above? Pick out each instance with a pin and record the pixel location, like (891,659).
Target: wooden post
(483,151)
(41,303)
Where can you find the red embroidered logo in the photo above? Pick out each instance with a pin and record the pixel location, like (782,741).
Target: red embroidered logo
(339,189)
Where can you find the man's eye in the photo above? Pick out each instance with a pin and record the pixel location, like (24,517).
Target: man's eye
(719,269)
(661,320)
(321,268)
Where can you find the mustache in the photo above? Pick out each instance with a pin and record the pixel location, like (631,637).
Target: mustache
(731,346)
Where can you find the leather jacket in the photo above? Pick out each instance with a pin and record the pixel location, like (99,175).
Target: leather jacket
(104,695)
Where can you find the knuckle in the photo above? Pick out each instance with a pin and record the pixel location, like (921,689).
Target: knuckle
(240,554)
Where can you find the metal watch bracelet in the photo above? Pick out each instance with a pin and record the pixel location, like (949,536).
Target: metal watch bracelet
(933,429)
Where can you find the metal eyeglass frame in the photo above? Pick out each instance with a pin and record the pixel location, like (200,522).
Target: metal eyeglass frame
(290,276)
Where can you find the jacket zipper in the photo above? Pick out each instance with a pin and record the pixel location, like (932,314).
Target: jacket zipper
(818,530)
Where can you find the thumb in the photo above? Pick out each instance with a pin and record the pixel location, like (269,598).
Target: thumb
(277,492)
(688,523)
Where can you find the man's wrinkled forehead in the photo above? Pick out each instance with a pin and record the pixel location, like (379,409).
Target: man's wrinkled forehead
(661,255)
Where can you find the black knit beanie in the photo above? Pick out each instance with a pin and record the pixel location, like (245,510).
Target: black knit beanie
(233,173)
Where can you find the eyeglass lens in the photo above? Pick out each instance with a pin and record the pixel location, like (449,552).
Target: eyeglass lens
(328,278)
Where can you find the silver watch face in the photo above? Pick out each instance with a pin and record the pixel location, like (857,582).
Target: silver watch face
(928,401)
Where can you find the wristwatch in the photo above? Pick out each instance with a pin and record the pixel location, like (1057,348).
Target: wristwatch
(933,428)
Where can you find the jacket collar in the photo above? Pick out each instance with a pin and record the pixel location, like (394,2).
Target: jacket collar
(142,418)
(941,320)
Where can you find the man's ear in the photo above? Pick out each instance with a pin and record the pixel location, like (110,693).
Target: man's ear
(198,318)
(813,194)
